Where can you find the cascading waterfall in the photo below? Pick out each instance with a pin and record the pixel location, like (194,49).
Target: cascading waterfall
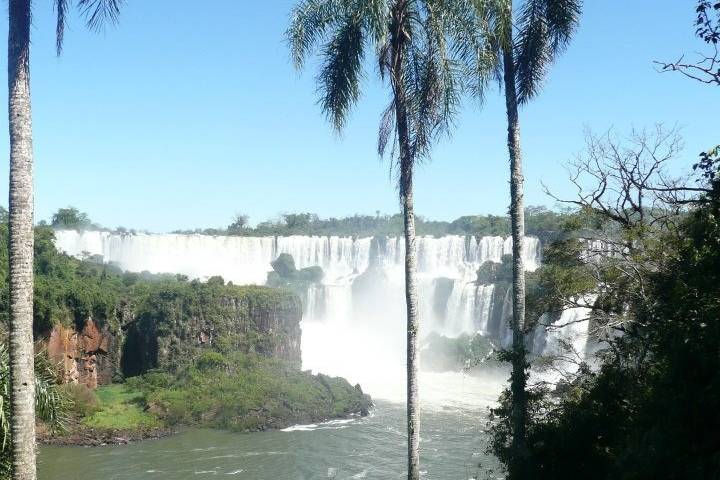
(246,260)
(363,284)
(470,305)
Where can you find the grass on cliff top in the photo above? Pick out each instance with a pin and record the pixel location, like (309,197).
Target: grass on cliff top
(120,408)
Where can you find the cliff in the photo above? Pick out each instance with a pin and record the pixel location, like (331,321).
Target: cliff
(83,357)
(165,324)
(174,321)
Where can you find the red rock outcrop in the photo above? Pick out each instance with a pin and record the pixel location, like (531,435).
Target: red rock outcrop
(78,355)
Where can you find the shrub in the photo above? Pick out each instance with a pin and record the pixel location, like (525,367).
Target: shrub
(82,401)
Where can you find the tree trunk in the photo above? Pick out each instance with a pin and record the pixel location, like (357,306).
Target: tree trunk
(22,380)
(517,219)
(398,41)
(413,325)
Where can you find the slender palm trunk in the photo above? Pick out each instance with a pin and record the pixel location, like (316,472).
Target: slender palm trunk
(21,243)
(399,39)
(413,325)
(517,219)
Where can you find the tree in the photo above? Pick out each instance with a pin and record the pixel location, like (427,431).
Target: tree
(426,50)
(707,28)
(70,218)
(239,224)
(21,217)
(544,28)
(647,408)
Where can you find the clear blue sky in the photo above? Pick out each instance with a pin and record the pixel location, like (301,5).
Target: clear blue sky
(184,114)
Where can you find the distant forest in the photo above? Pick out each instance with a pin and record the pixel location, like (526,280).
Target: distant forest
(539,221)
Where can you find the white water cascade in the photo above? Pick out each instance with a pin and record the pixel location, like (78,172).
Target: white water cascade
(246,260)
(360,304)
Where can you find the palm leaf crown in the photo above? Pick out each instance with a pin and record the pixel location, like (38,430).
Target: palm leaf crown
(446,53)
(96,13)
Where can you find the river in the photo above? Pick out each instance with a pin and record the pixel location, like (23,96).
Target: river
(366,347)
(453,445)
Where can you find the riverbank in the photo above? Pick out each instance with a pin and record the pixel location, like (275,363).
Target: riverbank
(91,437)
(235,392)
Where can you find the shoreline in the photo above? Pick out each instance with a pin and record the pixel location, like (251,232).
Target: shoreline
(89,437)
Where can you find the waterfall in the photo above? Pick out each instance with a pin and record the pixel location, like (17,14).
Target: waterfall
(361,274)
(468,309)
(569,335)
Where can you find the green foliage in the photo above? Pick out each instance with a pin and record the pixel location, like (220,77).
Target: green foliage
(246,392)
(173,316)
(67,290)
(541,222)
(650,409)
(285,275)
(562,279)
(211,360)
(709,167)
(51,406)
(240,223)
(81,400)
(544,30)
(439,52)
(70,218)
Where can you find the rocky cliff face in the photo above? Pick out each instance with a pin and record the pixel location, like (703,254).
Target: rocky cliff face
(83,357)
(174,322)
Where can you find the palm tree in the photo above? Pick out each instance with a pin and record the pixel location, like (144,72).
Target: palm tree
(425,50)
(21,218)
(544,28)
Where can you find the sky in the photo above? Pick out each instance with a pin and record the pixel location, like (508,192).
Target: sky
(183,115)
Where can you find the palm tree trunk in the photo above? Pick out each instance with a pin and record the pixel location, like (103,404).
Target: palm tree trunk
(517,219)
(413,325)
(21,243)
(399,38)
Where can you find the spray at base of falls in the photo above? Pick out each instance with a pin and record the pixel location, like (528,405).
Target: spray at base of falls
(354,323)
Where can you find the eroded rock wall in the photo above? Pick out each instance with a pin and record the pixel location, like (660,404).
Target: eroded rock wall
(172,324)
(83,357)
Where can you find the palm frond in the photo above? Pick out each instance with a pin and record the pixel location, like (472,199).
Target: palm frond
(544,30)
(61,11)
(563,17)
(50,405)
(387,129)
(444,48)
(339,77)
(309,23)
(98,13)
